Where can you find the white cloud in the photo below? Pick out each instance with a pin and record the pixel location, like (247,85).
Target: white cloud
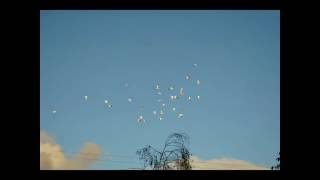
(52,156)
(46,138)
(224,164)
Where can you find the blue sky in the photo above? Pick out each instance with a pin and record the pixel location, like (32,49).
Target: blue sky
(95,53)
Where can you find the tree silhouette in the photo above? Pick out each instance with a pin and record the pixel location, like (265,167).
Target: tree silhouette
(174,154)
(276,167)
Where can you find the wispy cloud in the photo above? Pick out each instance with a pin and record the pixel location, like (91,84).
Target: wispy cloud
(52,156)
(224,164)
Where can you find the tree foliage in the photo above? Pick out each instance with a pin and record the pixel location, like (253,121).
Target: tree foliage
(276,167)
(174,155)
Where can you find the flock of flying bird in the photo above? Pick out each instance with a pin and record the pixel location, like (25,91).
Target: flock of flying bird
(160,113)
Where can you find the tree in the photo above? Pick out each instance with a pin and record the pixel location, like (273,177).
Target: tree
(276,167)
(174,154)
